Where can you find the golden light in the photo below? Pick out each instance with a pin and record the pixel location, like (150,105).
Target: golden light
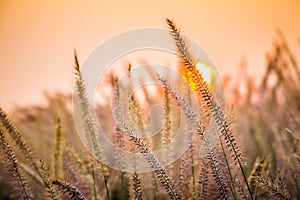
(206,72)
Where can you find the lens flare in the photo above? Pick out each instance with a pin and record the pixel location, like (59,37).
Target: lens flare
(207,75)
(206,72)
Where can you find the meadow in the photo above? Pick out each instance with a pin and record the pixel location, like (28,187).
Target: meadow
(255,154)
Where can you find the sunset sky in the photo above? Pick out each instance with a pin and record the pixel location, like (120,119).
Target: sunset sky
(37,37)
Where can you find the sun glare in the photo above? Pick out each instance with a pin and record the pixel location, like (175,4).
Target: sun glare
(206,72)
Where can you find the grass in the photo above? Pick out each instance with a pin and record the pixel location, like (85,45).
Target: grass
(256,155)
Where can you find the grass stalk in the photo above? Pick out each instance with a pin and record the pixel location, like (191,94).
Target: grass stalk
(15,168)
(68,188)
(89,122)
(199,85)
(153,162)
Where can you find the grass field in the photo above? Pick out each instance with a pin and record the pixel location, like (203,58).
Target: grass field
(256,154)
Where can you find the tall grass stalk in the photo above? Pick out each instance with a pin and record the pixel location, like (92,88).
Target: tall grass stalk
(15,168)
(201,87)
(89,122)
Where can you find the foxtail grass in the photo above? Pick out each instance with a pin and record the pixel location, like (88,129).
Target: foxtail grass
(15,169)
(89,125)
(48,184)
(164,179)
(19,139)
(67,188)
(200,86)
(57,150)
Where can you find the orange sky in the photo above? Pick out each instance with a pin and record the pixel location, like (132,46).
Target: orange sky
(37,37)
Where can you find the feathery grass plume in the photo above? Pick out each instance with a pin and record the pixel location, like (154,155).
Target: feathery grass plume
(258,169)
(47,182)
(14,168)
(218,176)
(18,138)
(20,141)
(119,154)
(137,187)
(191,149)
(136,117)
(202,190)
(134,108)
(181,45)
(166,132)
(57,150)
(135,113)
(165,180)
(91,131)
(275,190)
(119,135)
(72,191)
(192,75)
(35,182)
(192,121)
(187,179)
(138,125)
(190,113)
(198,83)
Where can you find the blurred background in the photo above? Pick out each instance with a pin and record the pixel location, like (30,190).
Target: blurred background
(37,38)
